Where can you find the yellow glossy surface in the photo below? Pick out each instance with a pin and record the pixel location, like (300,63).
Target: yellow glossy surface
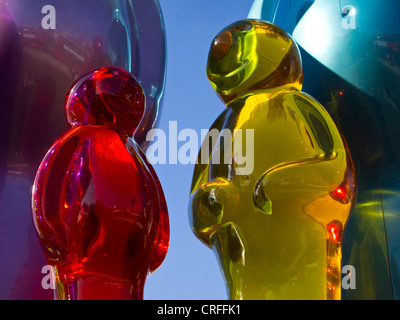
(278,230)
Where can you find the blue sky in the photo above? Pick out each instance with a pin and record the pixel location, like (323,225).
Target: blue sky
(190,270)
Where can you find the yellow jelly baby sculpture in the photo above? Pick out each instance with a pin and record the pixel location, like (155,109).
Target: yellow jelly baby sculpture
(273,191)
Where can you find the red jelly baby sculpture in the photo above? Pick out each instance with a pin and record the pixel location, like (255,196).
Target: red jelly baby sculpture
(97,204)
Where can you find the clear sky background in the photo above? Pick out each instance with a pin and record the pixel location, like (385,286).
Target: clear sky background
(190,270)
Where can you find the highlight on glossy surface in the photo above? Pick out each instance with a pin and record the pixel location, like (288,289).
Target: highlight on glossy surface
(277,231)
(38,66)
(98,207)
(350,52)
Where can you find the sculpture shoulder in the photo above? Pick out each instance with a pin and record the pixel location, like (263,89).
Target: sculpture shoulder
(306,102)
(81,133)
(317,118)
(96,139)
(200,175)
(279,106)
(288,114)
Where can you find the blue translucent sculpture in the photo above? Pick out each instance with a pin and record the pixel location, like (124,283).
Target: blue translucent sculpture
(351,63)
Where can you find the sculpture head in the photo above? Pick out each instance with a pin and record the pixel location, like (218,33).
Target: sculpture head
(250,55)
(109,96)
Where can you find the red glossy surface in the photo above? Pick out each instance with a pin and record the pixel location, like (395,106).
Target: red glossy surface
(97,204)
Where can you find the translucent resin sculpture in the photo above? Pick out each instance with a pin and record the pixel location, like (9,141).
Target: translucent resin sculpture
(350,53)
(97,205)
(278,229)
